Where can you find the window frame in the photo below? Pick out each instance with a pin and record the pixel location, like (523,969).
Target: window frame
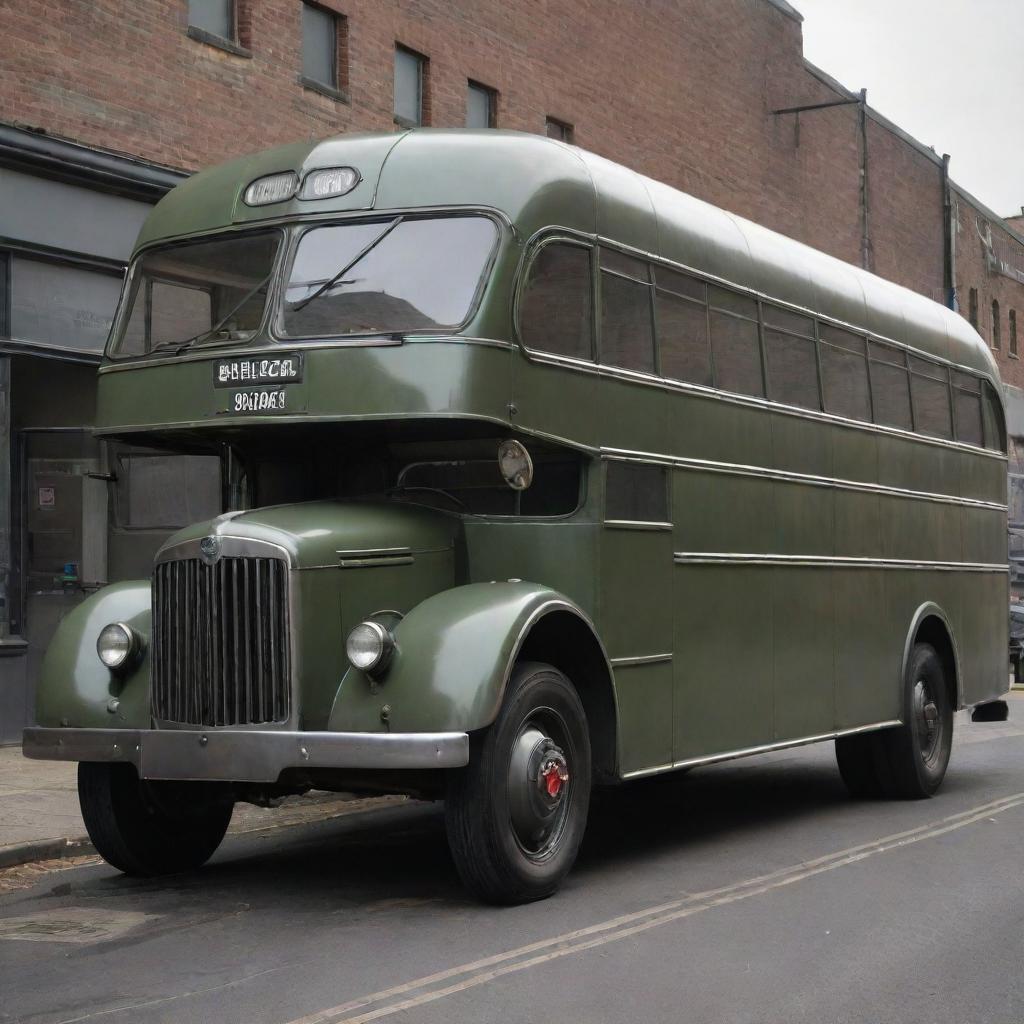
(337,88)
(422,61)
(230,43)
(567,130)
(652,318)
(532,251)
(997,326)
(472,85)
(1013,351)
(291,248)
(638,524)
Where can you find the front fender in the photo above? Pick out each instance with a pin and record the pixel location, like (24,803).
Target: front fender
(75,688)
(455,651)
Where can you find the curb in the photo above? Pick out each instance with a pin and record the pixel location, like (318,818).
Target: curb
(44,849)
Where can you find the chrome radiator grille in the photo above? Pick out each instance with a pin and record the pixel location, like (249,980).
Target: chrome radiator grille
(220,641)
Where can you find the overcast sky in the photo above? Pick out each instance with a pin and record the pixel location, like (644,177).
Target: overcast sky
(949,72)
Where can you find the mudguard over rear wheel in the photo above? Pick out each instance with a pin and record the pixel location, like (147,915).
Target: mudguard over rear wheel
(515,815)
(151,828)
(908,761)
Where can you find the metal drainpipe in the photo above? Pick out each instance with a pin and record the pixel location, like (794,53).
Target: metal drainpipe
(949,237)
(865,236)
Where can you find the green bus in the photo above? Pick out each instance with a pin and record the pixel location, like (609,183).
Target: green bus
(537,474)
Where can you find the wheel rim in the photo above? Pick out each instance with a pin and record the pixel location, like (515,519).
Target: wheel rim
(928,720)
(540,783)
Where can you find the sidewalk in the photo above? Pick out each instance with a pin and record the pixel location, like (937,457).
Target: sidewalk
(40,818)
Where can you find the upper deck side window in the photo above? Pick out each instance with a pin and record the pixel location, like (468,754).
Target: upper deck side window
(735,342)
(627,327)
(684,343)
(844,372)
(556,306)
(929,388)
(791,357)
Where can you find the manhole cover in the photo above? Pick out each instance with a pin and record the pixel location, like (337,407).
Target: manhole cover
(72,924)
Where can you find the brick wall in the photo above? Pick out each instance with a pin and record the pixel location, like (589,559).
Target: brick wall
(680,89)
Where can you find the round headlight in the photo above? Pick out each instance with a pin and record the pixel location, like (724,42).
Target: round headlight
(369,646)
(117,645)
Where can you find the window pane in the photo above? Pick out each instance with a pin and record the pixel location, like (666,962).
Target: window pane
(636,492)
(841,339)
(887,354)
(216,16)
(967,382)
(737,354)
(60,305)
(845,376)
(612,259)
(723,298)
(792,370)
(683,339)
(627,338)
(419,275)
(968,418)
(787,321)
(479,107)
(931,406)
(556,309)
(995,427)
(928,368)
(177,312)
(319,45)
(556,130)
(682,284)
(890,393)
(166,492)
(408,86)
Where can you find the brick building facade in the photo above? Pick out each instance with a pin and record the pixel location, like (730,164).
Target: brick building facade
(107,103)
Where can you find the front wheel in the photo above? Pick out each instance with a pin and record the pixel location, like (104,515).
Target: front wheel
(515,815)
(151,828)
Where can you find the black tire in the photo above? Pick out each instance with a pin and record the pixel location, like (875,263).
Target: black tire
(857,758)
(151,828)
(517,845)
(912,758)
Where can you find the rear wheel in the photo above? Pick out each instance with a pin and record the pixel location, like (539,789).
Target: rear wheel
(515,815)
(142,827)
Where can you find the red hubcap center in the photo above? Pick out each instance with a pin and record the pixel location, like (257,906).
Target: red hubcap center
(554,777)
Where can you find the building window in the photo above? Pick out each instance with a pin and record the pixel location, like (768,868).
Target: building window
(1013,334)
(997,327)
(972,307)
(410,88)
(480,106)
(5,296)
(217,17)
(555,129)
(322,31)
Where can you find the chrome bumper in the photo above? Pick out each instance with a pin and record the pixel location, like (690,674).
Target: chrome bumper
(246,756)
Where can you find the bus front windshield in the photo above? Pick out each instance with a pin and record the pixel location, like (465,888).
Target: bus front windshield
(203,292)
(386,276)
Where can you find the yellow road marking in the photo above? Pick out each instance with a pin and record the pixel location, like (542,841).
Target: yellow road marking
(479,972)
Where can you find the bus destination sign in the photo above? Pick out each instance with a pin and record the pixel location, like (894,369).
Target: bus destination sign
(250,370)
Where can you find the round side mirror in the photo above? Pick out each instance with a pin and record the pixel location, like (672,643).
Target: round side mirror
(515,464)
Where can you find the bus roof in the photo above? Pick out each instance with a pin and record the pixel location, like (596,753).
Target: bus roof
(539,183)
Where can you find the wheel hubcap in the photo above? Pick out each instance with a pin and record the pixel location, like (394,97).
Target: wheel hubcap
(926,712)
(539,781)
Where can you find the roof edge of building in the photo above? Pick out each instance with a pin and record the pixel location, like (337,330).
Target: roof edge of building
(26,149)
(786,8)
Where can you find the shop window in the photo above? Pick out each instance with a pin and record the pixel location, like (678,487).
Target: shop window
(322,31)
(636,492)
(555,313)
(410,87)
(627,334)
(61,305)
(481,106)
(555,129)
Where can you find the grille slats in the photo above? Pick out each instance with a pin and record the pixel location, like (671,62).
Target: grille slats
(220,641)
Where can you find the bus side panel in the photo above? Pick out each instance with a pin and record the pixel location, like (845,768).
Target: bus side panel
(982,636)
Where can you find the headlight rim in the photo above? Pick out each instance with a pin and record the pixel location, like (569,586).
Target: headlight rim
(132,652)
(387,647)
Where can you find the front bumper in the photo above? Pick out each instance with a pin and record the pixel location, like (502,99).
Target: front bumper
(246,755)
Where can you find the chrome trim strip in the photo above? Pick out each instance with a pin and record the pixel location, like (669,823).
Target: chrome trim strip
(765,748)
(790,476)
(641,659)
(635,524)
(831,562)
(230,546)
(246,756)
(749,401)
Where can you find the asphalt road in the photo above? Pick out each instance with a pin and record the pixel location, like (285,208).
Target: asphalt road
(750,891)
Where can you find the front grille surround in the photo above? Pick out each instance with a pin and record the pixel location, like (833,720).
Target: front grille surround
(221,640)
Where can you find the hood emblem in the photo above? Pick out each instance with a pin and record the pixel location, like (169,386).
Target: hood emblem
(209,549)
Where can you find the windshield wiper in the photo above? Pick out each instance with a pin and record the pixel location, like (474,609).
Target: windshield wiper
(180,346)
(328,285)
